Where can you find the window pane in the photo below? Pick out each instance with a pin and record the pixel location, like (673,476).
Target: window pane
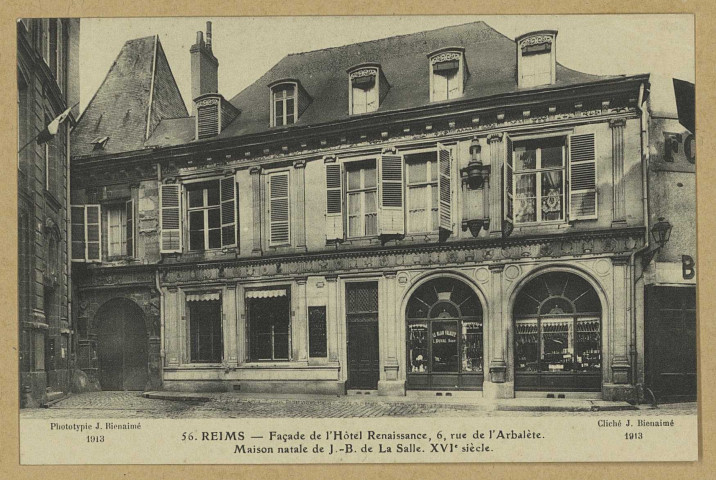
(213,193)
(453,84)
(289,119)
(472,347)
(359,100)
(440,87)
(589,345)
(370,202)
(196,198)
(552,189)
(526,346)
(525,158)
(214,218)
(370,176)
(525,206)
(552,157)
(417,172)
(557,345)
(196,230)
(354,179)
(445,355)
(278,112)
(280,346)
(215,238)
(371,224)
(418,347)
(417,209)
(289,107)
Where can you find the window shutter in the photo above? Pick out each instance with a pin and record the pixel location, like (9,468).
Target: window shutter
(130,227)
(582,177)
(391,215)
(508,189)
(279,233)
(78,233)
(445,188)
(93,233)
(334,201)
(228,212)
(170,218)
(207,120)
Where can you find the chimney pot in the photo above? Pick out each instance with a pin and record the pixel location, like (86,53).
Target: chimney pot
(208,35)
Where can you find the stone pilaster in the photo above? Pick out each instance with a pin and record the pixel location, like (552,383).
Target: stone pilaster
(497,156)
(228,319)
(332,318)
(389,320)
(172,316)
(619,194)
(299,331)
(619,341)
(299,208)
(257,208)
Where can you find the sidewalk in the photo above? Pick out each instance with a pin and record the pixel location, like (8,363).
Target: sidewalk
(473,401)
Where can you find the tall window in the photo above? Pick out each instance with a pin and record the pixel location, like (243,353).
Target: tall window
(284,104)
(269,324)
(120,230)
(536,69)
(204,215)
(423,197)
(205,330)
(364,90)
(362,195)
(446,75)
(539,180)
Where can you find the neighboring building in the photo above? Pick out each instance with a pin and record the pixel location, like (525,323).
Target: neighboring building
(48,84)
(670,278)
(451,209)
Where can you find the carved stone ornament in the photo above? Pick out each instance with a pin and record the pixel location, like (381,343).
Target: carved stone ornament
(207,102)
(364,72)
(445,57)
(536,40)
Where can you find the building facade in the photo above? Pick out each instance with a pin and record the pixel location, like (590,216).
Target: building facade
(48,84)
(448,210)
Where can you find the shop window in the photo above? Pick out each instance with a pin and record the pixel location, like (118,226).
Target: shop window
(206,344)
(317,338)
(558,330)
(269,324)
(445,335)
(120,229)
(362,197)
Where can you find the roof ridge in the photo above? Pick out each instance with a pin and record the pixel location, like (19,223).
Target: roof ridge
(421,32)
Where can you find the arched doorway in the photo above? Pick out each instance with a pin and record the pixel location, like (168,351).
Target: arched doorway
(444,336)
(558,335)
(121,346)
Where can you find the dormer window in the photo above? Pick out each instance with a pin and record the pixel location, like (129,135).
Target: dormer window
(288,101)
(367,87)
(536,59)
(448,72)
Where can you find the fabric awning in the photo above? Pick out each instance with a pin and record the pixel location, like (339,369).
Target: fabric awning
(272,293)
(203,297)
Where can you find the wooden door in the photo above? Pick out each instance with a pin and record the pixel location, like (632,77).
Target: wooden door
(363,357)
(122,347)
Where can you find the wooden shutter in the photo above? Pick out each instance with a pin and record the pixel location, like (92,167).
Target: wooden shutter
(228,212)
(582,177)
(508,189)
(391,214)
(93,233)
(79,247)
(170,218)
(334,201)
(279,231)
(130,227)
(207,120)
(445,188)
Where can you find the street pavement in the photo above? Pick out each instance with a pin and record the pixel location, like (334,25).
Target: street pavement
(233,405)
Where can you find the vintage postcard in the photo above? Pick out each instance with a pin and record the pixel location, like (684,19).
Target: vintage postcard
(312,240)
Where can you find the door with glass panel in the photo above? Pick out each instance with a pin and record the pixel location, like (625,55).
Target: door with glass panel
(362,333)
(558,339)
(444,337)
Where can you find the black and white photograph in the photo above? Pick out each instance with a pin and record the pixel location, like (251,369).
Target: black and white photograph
(357,239)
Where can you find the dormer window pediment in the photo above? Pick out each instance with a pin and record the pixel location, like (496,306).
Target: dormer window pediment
(448,72)
(367,87)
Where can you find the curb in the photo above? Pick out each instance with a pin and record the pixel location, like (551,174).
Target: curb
(181,397)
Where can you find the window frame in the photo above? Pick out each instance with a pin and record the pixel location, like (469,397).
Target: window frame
(432,185)
(445,55)
(267,208)
(251,335)
(108,210)
(204,208)
(284,100)
(537,173)
(361,71)
(355,164)
(190,333)
(185,209)
(539,44)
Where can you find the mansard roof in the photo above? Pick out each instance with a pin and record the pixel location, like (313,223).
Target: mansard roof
(490,56)
(137,93)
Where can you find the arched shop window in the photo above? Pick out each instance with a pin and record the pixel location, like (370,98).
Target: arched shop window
(444,336)
(558,340)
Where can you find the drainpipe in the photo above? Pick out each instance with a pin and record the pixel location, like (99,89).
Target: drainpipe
(161,296)
(632,258)
(68,239)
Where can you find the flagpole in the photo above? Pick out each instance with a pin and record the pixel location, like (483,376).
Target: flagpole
(38,135)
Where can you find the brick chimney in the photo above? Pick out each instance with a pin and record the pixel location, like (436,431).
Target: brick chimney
(204,66)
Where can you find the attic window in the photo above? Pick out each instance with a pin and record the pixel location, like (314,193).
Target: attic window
(447,74)
(536,59)
(99,143)
(284,107)
(364,89)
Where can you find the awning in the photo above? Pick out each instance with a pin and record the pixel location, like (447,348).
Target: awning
(272,293)
(203,297)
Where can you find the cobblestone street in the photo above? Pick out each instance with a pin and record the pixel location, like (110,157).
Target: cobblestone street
(230,405)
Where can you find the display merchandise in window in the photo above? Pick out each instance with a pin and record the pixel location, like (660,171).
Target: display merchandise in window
(539,180)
